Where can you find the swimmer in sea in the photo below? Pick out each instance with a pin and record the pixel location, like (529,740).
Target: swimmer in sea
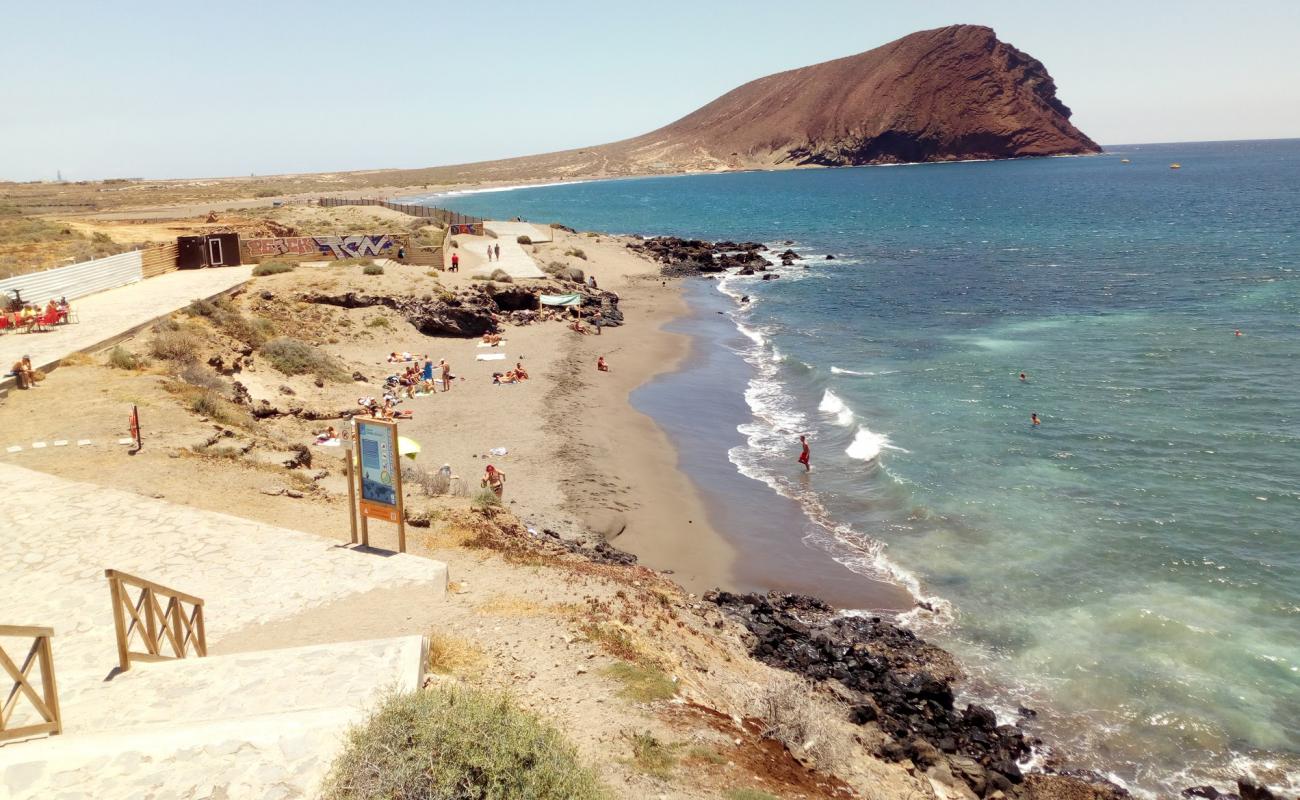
(1033,417)
(1024,378)
(804,455)
(1237,332)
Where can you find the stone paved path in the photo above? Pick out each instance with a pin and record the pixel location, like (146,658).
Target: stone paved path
(256,725)
(117,311)
(61,535)
(515,260)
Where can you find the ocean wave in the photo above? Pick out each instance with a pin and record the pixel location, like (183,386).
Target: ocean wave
(832,405)
(840,371)
(867,444)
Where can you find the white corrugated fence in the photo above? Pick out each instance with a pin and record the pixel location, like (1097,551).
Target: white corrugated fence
(77,280)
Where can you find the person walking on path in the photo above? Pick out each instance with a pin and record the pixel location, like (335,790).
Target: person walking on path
(489,254)
(495,480)
(804,455)
(496,248)
(455,262)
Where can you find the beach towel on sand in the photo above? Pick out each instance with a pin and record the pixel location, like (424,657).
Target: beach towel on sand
(490,357)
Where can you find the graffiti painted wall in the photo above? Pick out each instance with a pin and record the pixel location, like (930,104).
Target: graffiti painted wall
(364,246)
(472,229)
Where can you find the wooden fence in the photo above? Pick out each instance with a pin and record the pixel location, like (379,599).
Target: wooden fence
(442,215)
(158,260)
(157,625)
(45,702)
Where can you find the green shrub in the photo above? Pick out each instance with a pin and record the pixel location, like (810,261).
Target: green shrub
(373,269)
(208,403)
(272,268)
(175,345)
(225,317)
(749,794)
(266,193)
(524,238)
(576,252)
(121,358)
(450,743)
(294,357)
(501,276)
(485,499)
(378,322)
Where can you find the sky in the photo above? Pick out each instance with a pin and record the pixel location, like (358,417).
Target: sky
(186,89)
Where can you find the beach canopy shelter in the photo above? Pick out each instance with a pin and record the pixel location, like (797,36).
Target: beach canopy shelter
(561,299)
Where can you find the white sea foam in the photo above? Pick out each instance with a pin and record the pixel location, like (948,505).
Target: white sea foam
(867,445)
(832,405)
(839,371)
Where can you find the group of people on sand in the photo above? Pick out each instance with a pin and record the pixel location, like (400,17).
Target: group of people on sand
(384,409)
(516,375)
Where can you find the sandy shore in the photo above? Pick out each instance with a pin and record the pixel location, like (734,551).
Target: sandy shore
(580,457)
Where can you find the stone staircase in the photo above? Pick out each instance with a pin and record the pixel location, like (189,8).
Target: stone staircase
(258,724)
(263,724)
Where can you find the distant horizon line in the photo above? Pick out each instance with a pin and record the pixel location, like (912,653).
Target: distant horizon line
(268,175)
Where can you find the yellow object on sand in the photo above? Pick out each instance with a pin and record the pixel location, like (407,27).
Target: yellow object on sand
(408,447)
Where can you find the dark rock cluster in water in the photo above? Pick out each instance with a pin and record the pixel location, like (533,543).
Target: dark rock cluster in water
(684,257)
(897,681)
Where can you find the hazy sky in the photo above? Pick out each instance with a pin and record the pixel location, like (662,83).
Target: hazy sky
(173,89)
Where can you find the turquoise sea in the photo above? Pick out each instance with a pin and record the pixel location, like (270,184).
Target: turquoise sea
(1130,567)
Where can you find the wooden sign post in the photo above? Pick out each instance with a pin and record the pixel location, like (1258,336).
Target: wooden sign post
(379,475)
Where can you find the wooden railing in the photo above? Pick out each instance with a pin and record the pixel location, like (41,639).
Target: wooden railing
(159,626)
(46,702)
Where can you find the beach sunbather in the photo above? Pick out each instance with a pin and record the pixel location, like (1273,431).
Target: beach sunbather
(601,365)
(520,371)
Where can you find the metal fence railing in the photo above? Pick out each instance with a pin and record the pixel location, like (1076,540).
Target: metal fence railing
(442,215)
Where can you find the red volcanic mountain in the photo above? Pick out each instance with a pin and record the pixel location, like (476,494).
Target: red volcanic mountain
(942,95)
(939,95)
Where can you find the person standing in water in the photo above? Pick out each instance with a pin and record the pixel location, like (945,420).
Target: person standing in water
(1033,417)
(804,455)
(1024,378)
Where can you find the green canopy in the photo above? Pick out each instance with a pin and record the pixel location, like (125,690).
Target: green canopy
(561,299)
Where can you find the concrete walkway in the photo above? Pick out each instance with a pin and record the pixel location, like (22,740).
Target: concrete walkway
(61,535)
(115,312)
(264,724)
(515,260)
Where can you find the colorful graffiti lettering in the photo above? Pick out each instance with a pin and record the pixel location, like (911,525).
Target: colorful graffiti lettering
(476,229)
(354,246)
(329,246)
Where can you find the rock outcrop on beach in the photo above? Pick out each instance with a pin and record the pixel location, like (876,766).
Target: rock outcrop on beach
(893,679)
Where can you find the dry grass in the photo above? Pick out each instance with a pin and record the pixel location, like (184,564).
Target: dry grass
(807,723)
(181,346)
(653,757)
(507,605)
(749,794)
(640,683)
(453,655)
(77,360)
(294,357)
(619,640)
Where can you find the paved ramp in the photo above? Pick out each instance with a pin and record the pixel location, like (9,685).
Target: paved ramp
(515,259)
(116,311)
